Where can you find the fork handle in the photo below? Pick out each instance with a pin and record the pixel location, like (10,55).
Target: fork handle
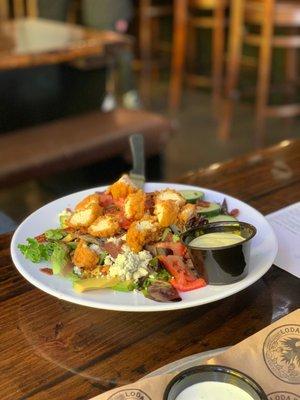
(137,151)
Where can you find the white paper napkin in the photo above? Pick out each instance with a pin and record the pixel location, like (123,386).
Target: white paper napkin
(286,224)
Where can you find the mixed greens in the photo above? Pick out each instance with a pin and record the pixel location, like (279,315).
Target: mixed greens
(127,240)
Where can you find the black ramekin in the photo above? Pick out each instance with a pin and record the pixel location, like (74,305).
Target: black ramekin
(213,373)
(221,265)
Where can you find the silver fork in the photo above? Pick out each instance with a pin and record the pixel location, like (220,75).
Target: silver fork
(137,174)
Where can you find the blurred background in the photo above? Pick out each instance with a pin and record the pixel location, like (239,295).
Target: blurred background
(203,80)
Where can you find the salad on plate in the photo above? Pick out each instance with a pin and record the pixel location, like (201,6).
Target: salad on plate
(125,239)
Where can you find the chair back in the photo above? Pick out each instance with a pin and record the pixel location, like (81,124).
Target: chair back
(18,9)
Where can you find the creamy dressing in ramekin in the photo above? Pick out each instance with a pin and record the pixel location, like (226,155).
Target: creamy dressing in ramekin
(216,239)
(213,391)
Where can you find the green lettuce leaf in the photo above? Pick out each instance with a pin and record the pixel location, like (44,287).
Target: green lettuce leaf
(55,234)
(35,251)
(176,238)
(60,258)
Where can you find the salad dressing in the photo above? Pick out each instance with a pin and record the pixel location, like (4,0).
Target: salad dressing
(213,391)
(216,239)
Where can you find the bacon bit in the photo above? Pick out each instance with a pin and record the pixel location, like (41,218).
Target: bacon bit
(105,269)
(235,212)
(111,209)
(119,203)
(106,200)
(82,231)
(69,229)
(203,203)
(47,271)
(149,205)
(41,238)
(124,222)
(113,249)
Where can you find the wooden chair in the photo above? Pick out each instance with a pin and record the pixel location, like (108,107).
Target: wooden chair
(149,16)
(268,15)
(149,43)
(184,19)
(18,9)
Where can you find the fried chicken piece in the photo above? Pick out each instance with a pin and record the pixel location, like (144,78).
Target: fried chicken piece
(134,206)
(141,232)
(84,218)
(104,226)
(84,256)
(87,201)
(122,188)
(166,212)
(187,212)
(170,194)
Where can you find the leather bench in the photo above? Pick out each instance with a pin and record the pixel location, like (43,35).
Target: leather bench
(77,141)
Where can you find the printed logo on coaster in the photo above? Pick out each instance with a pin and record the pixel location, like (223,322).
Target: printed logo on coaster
(130,394)
(283,396)
(281,351)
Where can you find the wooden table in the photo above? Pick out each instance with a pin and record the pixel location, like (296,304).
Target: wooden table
(51,349)
(29,42)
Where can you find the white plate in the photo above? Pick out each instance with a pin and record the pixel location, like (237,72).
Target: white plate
(263,252)
(187,362)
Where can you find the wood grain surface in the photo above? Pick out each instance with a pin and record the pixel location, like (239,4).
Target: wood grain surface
(51,349)
(29,42)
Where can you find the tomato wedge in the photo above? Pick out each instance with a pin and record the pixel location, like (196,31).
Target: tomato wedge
(183,279)
(177,248)
(187,286)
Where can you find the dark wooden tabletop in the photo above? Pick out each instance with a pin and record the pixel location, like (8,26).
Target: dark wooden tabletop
(51,349)
(28,42)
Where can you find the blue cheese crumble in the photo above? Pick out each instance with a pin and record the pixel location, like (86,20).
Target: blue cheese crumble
(130,266)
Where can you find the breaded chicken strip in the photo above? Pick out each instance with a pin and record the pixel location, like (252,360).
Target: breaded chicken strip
(134,206)
(141,232)
(104,226)
(187,212)
(84,218)
(122,188)
(84,256)
(170,194)
(166,212)
(87,201)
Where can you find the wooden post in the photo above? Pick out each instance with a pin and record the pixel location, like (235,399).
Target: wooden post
(218,51)
(233,66)
(4,9)
(178,52)
(264,70)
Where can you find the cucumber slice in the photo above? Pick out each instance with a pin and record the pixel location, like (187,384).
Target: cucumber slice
(221,218)
(210,211)
(191,196)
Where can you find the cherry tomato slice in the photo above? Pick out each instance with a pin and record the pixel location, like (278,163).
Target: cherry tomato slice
(177,248)
(183,279)
(187,286)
